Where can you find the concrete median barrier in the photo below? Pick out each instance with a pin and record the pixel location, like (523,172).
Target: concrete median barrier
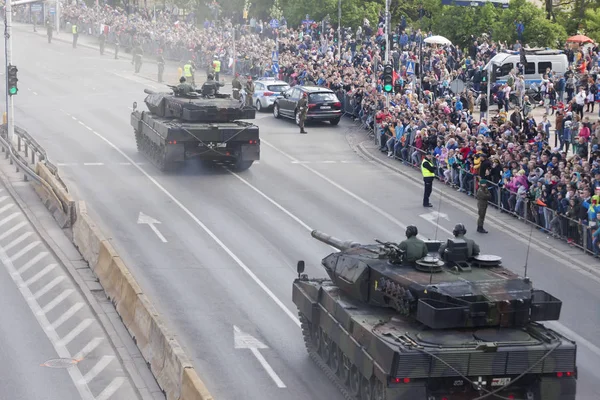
(55,197)
(167,360)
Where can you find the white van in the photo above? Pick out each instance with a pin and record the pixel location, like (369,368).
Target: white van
(537,62)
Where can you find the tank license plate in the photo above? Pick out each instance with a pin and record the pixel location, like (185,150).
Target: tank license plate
(500,381)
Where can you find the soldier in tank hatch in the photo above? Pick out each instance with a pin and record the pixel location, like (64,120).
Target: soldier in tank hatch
(459,232)
(413,247)
(183,88)
(211,87)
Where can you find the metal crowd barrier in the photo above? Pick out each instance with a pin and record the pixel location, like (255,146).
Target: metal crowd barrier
(558,225)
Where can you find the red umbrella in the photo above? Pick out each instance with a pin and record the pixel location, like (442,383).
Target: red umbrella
(579,39)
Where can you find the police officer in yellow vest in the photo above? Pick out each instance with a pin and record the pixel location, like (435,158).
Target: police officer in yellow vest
(75,31)
(428,171)
(217,67)
(188,72)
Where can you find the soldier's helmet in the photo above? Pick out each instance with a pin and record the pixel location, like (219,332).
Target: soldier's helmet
(411,231)
(182,79)
(211,77)
(459,229)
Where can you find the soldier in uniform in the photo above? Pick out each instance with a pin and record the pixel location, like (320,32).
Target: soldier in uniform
(183,88)
(302,110)
(483,196)
(413,247)
(236,86)
(211,87)
(160,61)
(459,232)
(49,30)
(102,43)
(137,54)
(117,44)
(249,91)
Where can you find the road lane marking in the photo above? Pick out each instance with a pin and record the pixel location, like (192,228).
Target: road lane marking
(205,228)
(6,207)
(32,262)
(40,274)
(25,250)
(67,315)
(111,388)
(74,372)
(9,218)
(91,346)
(3,198)
(96,369)
(151,222)
(93,164)
(76,331)
(17,241)
(243,340)
(48,287)
(56,301)
(12,230)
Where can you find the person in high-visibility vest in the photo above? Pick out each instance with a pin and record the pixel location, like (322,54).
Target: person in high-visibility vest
(217,68)
(188,72)
(428,171)
(75,31)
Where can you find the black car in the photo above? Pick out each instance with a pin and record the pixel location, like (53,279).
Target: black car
(323,104)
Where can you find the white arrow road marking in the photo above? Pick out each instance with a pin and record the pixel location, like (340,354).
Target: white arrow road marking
(145,219)
(434,216)
(243,340)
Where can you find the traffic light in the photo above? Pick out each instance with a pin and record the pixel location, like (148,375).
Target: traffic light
(12,80)
(397,88)
(388,78)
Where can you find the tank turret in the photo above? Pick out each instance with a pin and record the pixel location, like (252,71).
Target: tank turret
(455,293)
(193,107)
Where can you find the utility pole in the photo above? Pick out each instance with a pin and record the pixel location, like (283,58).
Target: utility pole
(387,31)
(340,27)
(10,109)
(57,15)
(234,55)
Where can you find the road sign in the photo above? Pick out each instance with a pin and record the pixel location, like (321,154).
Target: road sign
(52,9)
(275,68)
(275,56)
(410,68)
(274,23)
(36,7)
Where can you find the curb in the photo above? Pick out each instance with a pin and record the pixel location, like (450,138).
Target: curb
(84,289)
(167,360)
(363,151)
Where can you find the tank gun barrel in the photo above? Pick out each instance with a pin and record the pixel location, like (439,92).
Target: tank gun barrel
(149,91)
(333,241)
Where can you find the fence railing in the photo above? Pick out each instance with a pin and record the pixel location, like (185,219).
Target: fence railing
(561,226)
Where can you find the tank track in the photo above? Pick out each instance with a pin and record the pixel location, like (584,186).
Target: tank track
(309,341)
(154,153)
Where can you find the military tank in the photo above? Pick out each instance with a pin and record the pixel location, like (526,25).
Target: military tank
(458,329)
(179,127)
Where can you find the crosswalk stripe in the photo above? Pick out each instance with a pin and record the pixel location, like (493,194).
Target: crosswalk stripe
(17,241)
(32,262)
(48,287)
(25,250)
(99,367)
(111,389)
(6,207)
(13,230)
(9,218)
(75,332)
(88,348)
(57,300)
(40,274)
(68,314)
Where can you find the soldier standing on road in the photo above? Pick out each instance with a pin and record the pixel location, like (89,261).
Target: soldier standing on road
(160,61)
(483,196)
(75,31)
(137,54)
(49,30)
(236,86)
(117,44)
(302,110)
(249,91)
(102,43)
(428,172)
(413,247)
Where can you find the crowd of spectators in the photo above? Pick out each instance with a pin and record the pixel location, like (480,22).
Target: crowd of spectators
(555,185)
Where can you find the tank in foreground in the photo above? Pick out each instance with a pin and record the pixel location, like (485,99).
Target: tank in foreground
(177,128)
(454,330)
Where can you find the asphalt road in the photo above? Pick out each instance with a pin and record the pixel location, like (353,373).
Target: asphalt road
(231,241)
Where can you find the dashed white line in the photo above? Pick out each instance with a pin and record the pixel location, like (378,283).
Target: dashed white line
(111,389)
(95,342)
(76,332)
(35,93)
(17,241)
(32,262)
(66,164)
(25,250)
(48,287)
(93,163)
(12,230)
(74,119)
(96,369)
(6,207)
(67,314)
(124,163)
(40,274)
(56,301)
(9,218)
(81,123)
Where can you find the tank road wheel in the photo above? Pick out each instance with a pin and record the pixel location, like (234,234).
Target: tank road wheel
(378,390)
(366,390)
(334,358)
(345,367)
(311,339)
(325,349)
(354,381)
